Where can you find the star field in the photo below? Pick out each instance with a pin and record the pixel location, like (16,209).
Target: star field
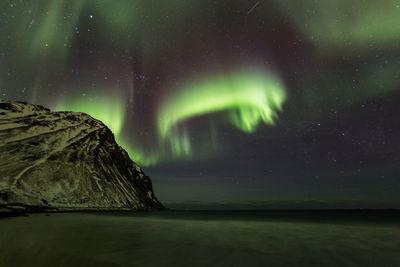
(263,103)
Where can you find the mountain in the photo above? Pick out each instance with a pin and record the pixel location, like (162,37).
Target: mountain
(66,161)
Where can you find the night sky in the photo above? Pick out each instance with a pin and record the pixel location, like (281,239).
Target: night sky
(225,103)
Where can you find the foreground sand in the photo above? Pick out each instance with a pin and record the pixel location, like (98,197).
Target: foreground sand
(195,239)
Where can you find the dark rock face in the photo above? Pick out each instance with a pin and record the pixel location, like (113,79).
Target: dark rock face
(66,161)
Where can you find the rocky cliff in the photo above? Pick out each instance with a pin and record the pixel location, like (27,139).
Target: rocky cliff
(66,161)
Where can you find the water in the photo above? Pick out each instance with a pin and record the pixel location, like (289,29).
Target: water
(202,238)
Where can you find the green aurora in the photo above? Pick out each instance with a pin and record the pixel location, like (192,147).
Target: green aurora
(343,24)
(45,33)
(108,109)
(247,99)
(186,88)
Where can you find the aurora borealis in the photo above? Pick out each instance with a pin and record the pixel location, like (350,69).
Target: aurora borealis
(223,101)
(248,97)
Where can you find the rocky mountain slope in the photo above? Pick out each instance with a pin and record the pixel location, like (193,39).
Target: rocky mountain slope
(66,161)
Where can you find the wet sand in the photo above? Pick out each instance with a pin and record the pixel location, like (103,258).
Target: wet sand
(200,239)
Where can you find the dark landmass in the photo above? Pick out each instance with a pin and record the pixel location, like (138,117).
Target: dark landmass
(65,161)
